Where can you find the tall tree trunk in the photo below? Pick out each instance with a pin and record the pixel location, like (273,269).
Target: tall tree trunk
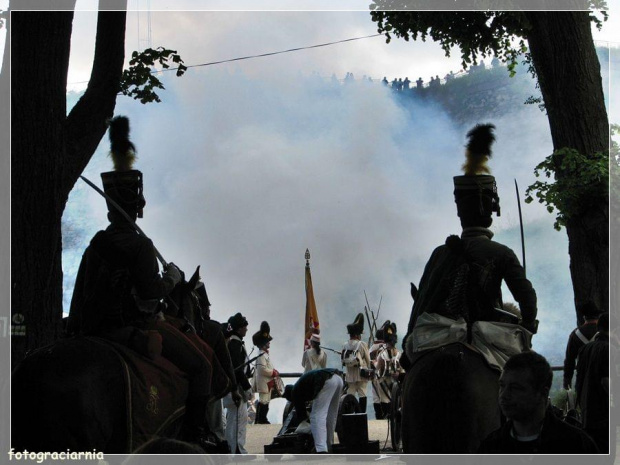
(49,152)
(40,58)
(569,75)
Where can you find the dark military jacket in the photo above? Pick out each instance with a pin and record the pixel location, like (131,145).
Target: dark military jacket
(493,262)
(575,344)
(308,387)
(117,264)
(239,356)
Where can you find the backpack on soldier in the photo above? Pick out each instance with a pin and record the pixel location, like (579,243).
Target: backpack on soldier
(350,358)
(459,292)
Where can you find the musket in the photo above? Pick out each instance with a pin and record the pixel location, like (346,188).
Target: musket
(521,224)
(331,350)
(371,338)
(249,361)
(372,324)
(125,215)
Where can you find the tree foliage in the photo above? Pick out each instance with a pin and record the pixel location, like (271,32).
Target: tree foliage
(476,33)
(140,82)
(583,183)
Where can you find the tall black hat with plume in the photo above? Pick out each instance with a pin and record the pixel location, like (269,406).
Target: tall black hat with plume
(389,332)
(262,336)
(124,185)
(357,327)
(475,193)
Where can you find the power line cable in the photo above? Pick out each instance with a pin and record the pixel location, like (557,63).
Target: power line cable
(276,53)
(260,55)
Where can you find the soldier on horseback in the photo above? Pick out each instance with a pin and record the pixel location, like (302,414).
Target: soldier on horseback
(119,289)
(463,277)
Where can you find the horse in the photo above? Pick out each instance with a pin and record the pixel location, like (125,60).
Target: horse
(72,395)
(450,400)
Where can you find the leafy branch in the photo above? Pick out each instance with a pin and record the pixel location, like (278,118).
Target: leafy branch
(580,182)
(140,82)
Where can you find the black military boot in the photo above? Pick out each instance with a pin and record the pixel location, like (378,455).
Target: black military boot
(265,412)
(261,414)
(386,409)
(362,402)
(379,415)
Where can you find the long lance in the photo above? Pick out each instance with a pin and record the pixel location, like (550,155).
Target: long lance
(125,215)
(521,224)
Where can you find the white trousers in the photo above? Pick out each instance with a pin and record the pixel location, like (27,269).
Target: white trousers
(357,387)
(236,424)
(324,414)
(215,418)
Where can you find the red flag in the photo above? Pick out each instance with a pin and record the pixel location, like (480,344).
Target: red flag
(312,317)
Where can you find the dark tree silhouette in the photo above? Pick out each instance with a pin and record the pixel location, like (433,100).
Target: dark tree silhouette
(50,149)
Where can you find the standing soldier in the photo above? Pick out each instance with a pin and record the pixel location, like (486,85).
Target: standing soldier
(264,374)
(237,409)
(579,338)
(387,368)
(314,358)
(356,359)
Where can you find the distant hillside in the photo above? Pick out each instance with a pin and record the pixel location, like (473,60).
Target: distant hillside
(483,94)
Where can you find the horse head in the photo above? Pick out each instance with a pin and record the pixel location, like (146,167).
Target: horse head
(186,301)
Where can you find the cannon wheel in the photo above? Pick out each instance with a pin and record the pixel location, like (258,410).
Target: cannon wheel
(348,404)
(396,405)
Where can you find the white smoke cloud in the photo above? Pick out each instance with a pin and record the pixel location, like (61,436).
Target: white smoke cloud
(248,164)
(242,174)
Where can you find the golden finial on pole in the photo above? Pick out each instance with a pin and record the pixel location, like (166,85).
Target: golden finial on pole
(307,257)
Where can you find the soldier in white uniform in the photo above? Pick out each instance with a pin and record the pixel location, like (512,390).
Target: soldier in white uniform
(314,358)
(264,373)
(385,358)
(355,358)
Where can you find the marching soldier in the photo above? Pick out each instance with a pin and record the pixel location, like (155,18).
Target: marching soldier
(264,374)
(119,289)
(356,358)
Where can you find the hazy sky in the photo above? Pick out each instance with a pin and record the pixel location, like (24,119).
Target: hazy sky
(247,164)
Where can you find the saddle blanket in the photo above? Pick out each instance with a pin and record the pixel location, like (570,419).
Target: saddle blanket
(155,392)
(495,341)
